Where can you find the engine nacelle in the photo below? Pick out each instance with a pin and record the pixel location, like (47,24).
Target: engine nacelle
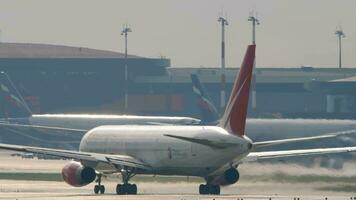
(229,177)
(77,175)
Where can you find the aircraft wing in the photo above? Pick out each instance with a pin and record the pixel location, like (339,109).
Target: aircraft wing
(38,127)
(117,160)
(291,140)
(255,156)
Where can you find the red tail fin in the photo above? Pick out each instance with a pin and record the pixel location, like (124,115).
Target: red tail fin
(234,117)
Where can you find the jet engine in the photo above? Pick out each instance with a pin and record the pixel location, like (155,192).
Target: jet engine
(77,175)
(229,177)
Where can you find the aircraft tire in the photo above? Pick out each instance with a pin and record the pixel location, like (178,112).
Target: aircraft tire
(132,189)
(102,189)
(214,189)
(203,189)
(120,189)
(96,189)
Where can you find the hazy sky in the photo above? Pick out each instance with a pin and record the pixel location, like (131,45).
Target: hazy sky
(292,32)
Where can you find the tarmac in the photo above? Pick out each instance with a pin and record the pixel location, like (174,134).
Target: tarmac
(10,189)
(247,188)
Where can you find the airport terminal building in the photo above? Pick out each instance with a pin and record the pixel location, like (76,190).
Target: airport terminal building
(62,79)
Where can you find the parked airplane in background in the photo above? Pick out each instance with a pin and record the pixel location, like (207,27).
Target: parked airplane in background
(211,152)
(18,114)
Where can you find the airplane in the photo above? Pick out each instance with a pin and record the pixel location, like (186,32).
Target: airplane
(18,114)
(211,152)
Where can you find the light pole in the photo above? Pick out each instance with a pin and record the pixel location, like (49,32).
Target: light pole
(125,32)
(224,23)
(255,22)
(340,34)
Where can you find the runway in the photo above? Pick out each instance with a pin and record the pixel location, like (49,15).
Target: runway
(176,191)
(275,181)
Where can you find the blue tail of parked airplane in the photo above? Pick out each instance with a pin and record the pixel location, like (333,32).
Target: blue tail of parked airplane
(13,105)
(209,113)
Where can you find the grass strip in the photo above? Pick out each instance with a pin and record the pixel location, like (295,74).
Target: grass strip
(339,188)
(31,176)
(308,178)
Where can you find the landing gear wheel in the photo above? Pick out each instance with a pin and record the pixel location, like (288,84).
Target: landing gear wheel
(102,189)
(120,189)
(209,189)
(214,189)
(203,189)
(131,189)
(96,189)
(126,189)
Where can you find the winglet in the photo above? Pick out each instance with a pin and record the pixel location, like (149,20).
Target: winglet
(234,118)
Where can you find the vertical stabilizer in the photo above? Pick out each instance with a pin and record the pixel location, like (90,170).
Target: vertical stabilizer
(234,118)
(209,113)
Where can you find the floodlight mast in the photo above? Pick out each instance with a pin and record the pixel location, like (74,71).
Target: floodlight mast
(340,34)
(224,23)
(125,32)
(255,22)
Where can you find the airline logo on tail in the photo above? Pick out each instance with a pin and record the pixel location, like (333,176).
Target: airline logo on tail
(208,111)
(234,118)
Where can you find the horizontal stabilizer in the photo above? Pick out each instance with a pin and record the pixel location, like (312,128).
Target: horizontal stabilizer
(257,145)
(210,143)
(255,156)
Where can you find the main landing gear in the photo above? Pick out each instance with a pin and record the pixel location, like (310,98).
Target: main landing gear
(99,188)
(209,189)
(126,188)
(121,189)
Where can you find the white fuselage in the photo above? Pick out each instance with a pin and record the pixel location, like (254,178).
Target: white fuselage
(166,155)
